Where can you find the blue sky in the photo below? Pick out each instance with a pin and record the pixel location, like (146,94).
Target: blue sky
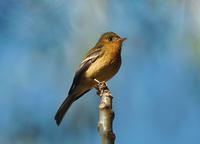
(156,92)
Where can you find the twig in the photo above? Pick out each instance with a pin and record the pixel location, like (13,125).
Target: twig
(106,115)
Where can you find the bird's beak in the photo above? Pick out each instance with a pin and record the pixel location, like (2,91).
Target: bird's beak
(122,39)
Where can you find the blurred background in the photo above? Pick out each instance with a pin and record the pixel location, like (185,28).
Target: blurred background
(156,92)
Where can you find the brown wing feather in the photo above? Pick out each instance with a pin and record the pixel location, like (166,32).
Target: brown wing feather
(90,57)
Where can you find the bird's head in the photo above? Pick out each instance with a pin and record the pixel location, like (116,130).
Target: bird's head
(111,38)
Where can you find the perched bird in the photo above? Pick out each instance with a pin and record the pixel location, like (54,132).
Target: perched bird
(101,63)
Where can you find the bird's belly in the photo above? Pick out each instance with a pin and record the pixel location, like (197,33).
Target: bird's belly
(103,69)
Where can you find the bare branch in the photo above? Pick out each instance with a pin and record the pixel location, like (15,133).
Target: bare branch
(106,115)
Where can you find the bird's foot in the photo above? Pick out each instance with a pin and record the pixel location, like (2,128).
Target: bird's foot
(100,86)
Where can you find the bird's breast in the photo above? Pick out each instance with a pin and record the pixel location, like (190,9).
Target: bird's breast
(105,67)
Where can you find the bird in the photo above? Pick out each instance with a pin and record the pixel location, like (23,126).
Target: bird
(100,63)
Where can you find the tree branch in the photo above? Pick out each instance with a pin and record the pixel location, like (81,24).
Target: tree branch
(106,115)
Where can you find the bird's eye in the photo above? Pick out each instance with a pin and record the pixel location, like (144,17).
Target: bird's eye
(110,39)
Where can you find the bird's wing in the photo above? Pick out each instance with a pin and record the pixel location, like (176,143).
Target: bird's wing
(90,57)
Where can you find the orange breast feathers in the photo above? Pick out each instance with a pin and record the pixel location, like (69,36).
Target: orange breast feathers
(106,66)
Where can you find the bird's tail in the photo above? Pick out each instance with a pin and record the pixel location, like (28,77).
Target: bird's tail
(66,104)
(63,109)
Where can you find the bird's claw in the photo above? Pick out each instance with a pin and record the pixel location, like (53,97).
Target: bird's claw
(100,86)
